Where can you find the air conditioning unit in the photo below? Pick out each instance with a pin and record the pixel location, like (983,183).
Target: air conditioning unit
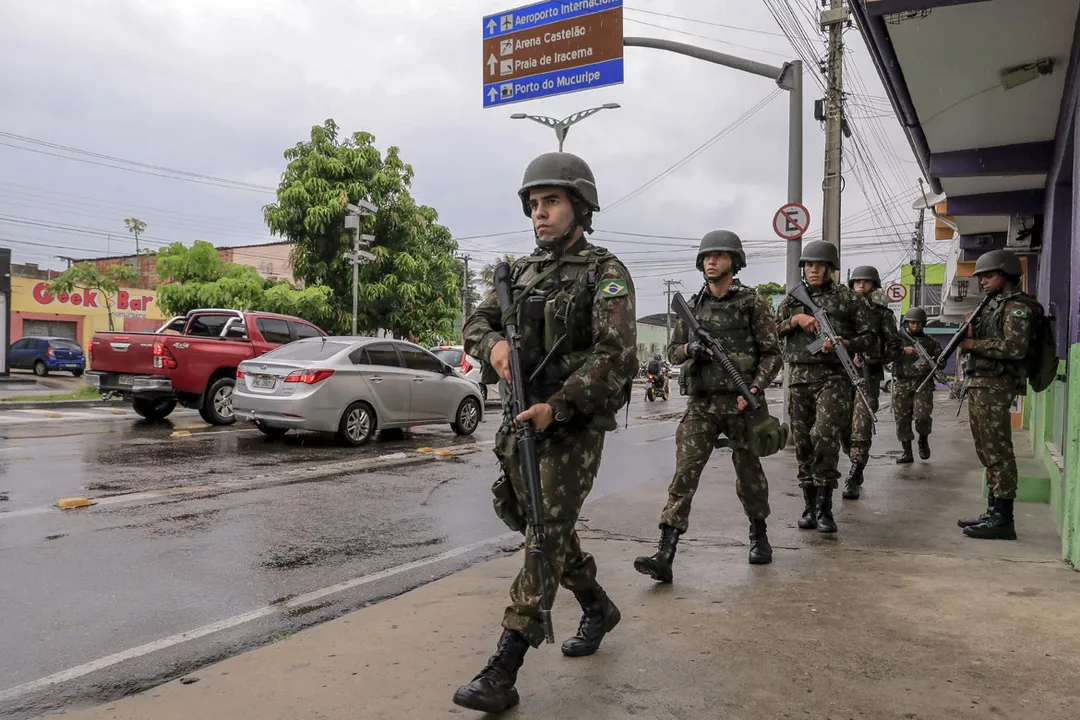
(1021,232)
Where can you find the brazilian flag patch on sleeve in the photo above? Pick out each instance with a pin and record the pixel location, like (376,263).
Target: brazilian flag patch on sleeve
(1020,313)
(613,289)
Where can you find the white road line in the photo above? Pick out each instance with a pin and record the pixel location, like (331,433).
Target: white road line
(216,627)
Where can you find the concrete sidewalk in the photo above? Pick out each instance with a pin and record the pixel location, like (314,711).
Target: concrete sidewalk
(897,616)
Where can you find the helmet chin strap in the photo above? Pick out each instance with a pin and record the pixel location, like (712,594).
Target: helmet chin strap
(559,244)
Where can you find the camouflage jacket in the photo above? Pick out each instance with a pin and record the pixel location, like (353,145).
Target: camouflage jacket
(1002,334)
(887,342)
(850,316)
(743,323)
(586,379)
(911,367)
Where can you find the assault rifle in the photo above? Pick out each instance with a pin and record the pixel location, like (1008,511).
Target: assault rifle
(766,435)
(923,355)
(826,332)
(526,445)
(954,342)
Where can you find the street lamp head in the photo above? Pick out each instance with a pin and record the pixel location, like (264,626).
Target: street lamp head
(611,106)
(518,116)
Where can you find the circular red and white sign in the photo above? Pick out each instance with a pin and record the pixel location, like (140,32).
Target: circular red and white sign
(791,221)
(896,292)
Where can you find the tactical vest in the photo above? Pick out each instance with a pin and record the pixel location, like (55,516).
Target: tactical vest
(728,320)
(839,303)
(553,307)
(881,315)
(906,366)
(990,325)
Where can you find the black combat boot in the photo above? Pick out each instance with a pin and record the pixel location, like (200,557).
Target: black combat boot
(808,521)
(599,616)
(998,526)
(825,523)
(907,457)
(658,567)
(493,689)
(854,481)
(924,447)
(978,519)
(760,549)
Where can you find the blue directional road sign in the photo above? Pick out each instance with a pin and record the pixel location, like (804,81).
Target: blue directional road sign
(552,48)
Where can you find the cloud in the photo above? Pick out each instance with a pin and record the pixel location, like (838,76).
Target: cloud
(223,89)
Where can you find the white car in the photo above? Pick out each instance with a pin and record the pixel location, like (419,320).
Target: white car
(469,367)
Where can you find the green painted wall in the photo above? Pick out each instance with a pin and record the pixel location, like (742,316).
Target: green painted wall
(935,275)
(1070,536)
(651,339)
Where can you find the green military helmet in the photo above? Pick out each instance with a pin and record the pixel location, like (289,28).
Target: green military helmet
(820,251)
(560,169)
(915,314)
(722,241)
(865,272)
(1004,261)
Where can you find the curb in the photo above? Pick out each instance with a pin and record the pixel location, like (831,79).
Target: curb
(58,404)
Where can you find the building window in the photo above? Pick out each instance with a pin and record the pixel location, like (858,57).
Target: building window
(931,300)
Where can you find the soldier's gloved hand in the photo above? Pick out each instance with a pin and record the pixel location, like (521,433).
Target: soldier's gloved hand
(697,350)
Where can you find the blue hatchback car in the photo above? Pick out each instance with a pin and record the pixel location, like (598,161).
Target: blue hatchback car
(47,354)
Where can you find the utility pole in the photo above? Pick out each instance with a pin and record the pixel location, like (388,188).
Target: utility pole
(917,269)
(833,21)
(465,287)
(667,315)
(353,213)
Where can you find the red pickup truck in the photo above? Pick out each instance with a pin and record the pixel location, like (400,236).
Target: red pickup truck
(191,361)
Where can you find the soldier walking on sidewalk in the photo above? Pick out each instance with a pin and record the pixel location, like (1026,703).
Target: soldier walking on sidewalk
(909,370)
(743,322)
(573,305)
(819,394)
(864,281)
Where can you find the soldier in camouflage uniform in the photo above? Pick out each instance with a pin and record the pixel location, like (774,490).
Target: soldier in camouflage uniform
(573,304)
(908,373)
(743,322)
(819,392)
(993,355)
(865,280)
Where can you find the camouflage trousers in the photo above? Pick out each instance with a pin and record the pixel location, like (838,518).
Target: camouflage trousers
(695,440)
(860,435)
(991,428)
(568,467)
(908,404)
(820,414)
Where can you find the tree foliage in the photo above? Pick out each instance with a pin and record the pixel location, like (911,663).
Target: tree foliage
(88,276)
(411,288)
(487,273)
(771,288)
(195,277)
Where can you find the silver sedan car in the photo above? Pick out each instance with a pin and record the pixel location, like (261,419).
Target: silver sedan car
(353,386)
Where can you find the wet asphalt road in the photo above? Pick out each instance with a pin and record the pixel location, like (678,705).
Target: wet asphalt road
(235,536)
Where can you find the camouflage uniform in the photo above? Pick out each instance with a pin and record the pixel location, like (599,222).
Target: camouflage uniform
(908,373)
(743,322)
(886,345)
(584,385)
(820,395)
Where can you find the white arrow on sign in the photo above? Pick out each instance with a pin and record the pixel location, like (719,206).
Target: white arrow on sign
(365,239)
(492,94)
(365,254)
(491,26)
(492,63)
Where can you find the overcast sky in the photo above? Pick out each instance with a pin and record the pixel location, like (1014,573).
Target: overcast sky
(221,88)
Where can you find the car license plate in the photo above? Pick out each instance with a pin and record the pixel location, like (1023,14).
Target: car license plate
(126,380)
(263,381)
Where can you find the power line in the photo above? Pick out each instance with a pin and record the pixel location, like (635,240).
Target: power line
(705,22)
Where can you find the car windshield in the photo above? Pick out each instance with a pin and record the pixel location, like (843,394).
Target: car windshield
(305,351)
(450,356)
(65,345)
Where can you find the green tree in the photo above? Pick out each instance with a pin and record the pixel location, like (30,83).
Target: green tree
(487,273)
(135,226)
(411,288)
(771,288)
(194,277)
(87,276)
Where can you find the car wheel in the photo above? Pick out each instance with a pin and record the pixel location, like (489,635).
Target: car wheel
(357,424)
(271,430)
(77,373)
(467,418)
(888,386)
(217,405)
(40,370)
(154,409)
